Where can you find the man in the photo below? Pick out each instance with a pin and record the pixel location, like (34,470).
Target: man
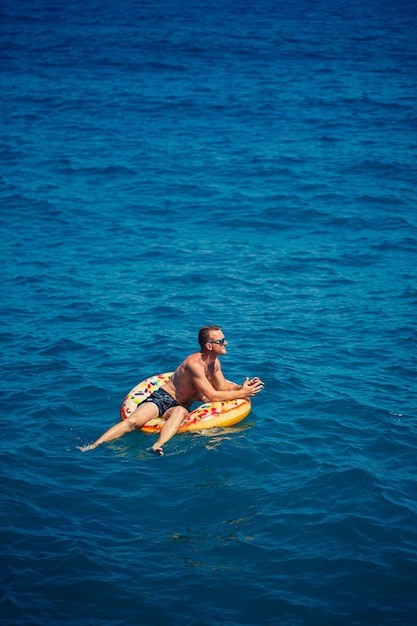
(198,377)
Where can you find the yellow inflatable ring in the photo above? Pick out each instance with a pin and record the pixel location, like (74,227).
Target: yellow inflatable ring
(207,415)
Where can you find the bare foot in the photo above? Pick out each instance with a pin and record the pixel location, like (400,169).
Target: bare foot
(85,448)
(157,449)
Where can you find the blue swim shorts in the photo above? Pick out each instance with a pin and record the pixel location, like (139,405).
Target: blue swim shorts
(163,401)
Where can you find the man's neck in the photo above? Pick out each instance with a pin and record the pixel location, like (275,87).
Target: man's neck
(208,356)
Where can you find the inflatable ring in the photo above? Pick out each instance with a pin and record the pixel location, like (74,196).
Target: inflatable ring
(207,415)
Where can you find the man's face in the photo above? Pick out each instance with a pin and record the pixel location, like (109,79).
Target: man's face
(217,342)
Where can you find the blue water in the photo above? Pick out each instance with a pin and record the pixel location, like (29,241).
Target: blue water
(164,166)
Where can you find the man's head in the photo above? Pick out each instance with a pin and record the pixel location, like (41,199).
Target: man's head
(212,335)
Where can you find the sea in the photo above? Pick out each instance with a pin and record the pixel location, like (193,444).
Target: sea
(167,165)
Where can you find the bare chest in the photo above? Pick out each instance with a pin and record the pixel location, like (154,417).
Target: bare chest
(210,370)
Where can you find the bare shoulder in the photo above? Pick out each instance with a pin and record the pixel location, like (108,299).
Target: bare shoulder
(194,361)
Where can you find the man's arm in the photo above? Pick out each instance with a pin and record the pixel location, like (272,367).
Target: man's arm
(221,384)
(223,389)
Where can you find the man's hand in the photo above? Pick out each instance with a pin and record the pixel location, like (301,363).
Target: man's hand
(252,387)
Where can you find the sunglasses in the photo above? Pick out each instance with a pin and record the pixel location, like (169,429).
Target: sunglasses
(221,341)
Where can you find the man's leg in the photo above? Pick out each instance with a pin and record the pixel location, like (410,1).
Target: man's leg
(173,419)
(139,417)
